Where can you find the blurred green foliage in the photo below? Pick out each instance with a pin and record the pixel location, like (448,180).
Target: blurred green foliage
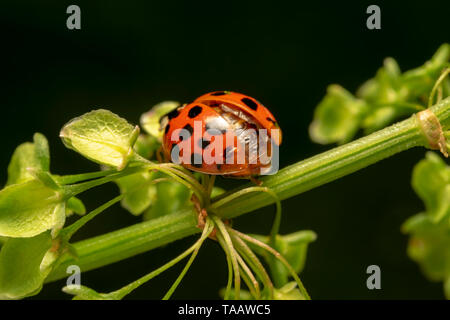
(380,101)
(429,231)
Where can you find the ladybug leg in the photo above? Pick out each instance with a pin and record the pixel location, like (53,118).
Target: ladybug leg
(255,180)
(160,156)
(202,214)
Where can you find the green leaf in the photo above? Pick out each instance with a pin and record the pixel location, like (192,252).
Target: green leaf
(75,205)
(337,117)
(379,101)
(28,157)
(386,96)
(431,181)
(216,191)
(429,245)
(86,293)
(101,136)
(30,208)
(146,145)
(139,191)
(150,121)
(171,196)
(288,292)
(42,152)
(21,273)
(385,88)
(420,80)
(429,242)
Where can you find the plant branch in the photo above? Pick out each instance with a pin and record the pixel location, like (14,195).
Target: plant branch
(288,182)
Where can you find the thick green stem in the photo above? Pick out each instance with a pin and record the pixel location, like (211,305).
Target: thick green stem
(288,182)
(127,242)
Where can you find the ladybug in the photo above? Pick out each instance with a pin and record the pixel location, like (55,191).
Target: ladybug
(221,133)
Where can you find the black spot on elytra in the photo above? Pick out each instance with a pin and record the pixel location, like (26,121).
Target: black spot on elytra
(173,114)
(203,143)
(196,160)
(271,120)
(189,129)
(195,111)
(219,166)
(250,103)
(218,93)
(167,129)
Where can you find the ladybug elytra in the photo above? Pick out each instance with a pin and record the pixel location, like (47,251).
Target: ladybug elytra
(222,133)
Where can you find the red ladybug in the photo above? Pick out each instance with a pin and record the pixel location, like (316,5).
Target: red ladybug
(222,135)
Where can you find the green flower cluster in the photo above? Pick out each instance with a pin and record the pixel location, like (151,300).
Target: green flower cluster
(380,101)
(429,231)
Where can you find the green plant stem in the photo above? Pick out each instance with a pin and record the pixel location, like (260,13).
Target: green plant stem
(254,263)
(335,163)
(74,227)
(130,287)
(74,178)
(127,242)
(275,254)
(288,182)
(206,232)
(74,189)
(228,244)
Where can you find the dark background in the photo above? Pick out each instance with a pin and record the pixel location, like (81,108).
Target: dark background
(130,55)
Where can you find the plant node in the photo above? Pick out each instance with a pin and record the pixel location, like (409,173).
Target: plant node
(432,130)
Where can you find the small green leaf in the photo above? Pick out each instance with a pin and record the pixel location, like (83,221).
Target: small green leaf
(46,179)
(170,197)
(75,205)
(146,145)
(101,136)
(429,242)
(139,191)
(337,117)
(150,120)
(429,245)
(421,80)
(30,208)
(379,101)
(431,181)
(86,293)
(216,191)
(28,157)
(21,274)
(288,292)
(379,118)
(42,152)
(22,159)
(386,95)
